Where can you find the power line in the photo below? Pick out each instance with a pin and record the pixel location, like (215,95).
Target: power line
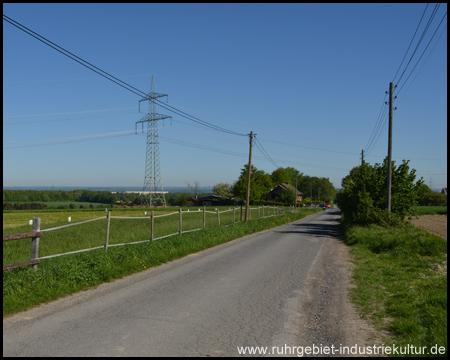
(111,77)
(65,119)
(422,65)
(67,113)
(410,42)
(15,145)
(430,20)
(377,128)
(197,120)
(272,130)
(429,42)
(265,153)
(72,56)
(382,117)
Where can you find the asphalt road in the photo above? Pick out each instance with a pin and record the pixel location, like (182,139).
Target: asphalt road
(244,293)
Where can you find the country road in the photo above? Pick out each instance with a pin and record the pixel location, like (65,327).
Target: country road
(283,287)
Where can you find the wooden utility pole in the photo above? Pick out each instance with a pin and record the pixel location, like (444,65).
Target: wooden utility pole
(296,177)
(247,201)
(362,157)
(389,164)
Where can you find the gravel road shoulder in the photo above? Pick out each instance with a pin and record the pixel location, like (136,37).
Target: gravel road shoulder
(330,318)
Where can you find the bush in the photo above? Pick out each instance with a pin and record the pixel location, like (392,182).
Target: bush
(363,197)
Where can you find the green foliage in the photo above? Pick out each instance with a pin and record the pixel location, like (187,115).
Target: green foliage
(223,189)
(363,197)
(432,198)
(288,197)
(104,197)
(280,176)
(321,188)
(24,206)
(260,184)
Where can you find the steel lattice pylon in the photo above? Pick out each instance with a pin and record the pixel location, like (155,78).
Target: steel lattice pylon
(152,192)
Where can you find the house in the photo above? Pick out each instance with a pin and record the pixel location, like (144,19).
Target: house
(212,200)
(279,189)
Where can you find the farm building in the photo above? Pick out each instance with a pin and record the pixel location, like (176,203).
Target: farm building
(211,200)
(279,189)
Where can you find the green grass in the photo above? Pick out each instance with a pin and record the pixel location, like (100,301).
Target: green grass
(60,276)
(401,279)
(432,210)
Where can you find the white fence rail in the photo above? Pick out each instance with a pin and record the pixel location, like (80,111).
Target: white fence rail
(275,211)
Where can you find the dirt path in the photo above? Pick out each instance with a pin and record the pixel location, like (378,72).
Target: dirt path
(434,224)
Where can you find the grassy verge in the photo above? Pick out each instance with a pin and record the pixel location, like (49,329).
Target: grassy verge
(65,275)
(401,278)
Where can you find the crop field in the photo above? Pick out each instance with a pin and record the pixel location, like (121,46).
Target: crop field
(131,225)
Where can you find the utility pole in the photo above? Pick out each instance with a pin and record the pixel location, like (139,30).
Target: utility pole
(362,157)
(389,164)
(311,194)
(247,201)
(296,177)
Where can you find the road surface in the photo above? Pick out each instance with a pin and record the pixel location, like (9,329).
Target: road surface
(283,287)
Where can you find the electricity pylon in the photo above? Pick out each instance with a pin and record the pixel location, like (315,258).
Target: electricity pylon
(152,192)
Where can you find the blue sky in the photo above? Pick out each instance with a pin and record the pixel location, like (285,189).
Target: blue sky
(308,79)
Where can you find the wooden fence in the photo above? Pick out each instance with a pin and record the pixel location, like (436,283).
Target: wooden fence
(34,235)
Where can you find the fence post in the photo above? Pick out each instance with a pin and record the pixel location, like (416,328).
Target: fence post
(204,216)
(218,217)
(181,222)
(35,241)
(153,225)
(108,220)
(263,210)
(234,214)
(241,214)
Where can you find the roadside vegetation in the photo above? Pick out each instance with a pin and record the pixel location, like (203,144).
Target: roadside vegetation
(56,277)
(401,271)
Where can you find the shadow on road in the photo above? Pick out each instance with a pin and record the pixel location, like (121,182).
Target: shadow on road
(328,227)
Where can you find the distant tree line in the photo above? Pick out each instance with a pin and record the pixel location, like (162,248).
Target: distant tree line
(261,184)
(104,197)
(27,206)
(314,188)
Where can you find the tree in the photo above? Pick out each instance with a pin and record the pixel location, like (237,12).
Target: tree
(260,184)
(194,188)
(288,197)
(222,189)
(363,196)
(280,176)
